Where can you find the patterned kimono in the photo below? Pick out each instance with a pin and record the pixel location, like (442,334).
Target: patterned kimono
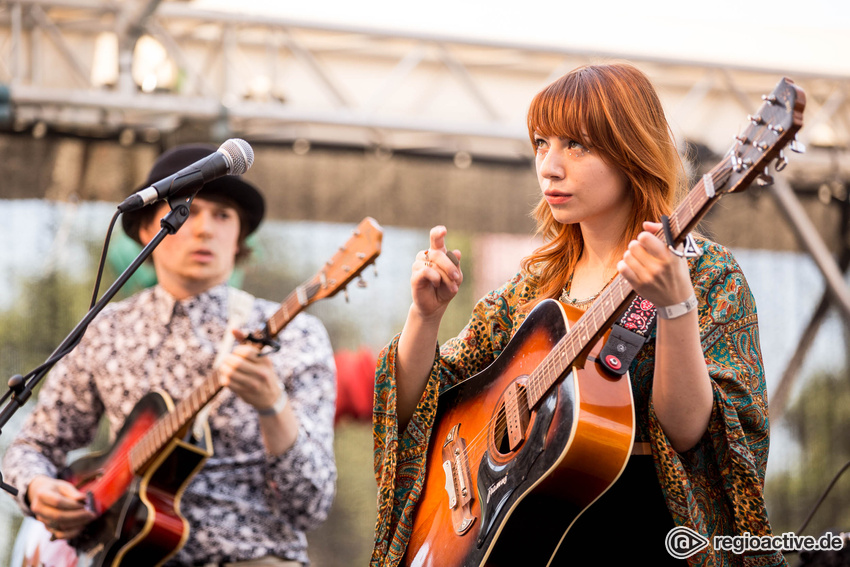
(715,488)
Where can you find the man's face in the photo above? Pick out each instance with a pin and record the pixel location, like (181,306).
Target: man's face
(202,253)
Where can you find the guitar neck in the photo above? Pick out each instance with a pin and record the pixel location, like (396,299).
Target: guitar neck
(294,304)
(619,294)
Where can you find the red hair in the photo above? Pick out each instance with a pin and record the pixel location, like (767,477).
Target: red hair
(614,110)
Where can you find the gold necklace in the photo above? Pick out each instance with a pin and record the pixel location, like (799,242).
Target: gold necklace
(581,303)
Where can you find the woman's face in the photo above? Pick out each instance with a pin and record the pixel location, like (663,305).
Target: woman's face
(579,186)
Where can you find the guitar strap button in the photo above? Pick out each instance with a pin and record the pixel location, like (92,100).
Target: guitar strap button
(613,362)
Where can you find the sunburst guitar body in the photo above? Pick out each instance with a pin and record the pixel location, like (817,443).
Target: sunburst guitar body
(504,482)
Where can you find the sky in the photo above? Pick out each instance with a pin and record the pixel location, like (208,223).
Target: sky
(779,34)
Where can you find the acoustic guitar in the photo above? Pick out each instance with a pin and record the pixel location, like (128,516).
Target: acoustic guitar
(519,451)
(134,487)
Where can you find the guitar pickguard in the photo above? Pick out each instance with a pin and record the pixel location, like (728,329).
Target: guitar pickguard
(498,482)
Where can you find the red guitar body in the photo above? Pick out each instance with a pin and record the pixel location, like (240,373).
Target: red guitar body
(142,525)
(522,493)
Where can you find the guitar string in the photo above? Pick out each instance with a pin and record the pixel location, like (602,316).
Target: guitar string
(164,430)
(153,437)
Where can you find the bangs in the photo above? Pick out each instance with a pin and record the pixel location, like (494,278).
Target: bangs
(557,111)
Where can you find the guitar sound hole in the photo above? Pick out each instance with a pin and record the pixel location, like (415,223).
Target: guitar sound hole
(501,438)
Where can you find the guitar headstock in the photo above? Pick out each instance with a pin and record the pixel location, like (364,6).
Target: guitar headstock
(350,260)
(774,126)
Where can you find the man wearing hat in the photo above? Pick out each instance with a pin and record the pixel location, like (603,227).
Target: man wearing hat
(272,474)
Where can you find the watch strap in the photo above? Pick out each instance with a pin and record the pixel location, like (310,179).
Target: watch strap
(277,406)
(678,309)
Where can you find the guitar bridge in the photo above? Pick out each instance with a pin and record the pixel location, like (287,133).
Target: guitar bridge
(458,480)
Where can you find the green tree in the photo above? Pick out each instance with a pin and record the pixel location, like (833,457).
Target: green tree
(47,309)
(818,421)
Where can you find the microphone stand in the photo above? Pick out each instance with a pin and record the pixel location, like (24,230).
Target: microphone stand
(19,389)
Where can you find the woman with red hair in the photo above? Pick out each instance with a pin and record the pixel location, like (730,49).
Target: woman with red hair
(608,170)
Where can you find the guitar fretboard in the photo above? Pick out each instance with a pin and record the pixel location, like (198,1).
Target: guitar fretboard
(294,303)
(167,427)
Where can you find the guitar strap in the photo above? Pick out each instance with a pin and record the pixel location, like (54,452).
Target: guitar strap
(628,335)
(239,305)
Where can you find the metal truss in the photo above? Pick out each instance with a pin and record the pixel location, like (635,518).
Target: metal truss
(78,66)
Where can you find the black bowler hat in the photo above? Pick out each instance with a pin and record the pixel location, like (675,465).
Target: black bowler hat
(246,197)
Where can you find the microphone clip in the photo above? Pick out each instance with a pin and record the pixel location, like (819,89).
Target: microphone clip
(180,209)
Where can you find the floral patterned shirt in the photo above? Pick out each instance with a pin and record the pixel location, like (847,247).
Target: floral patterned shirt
(244,503)
(716,488)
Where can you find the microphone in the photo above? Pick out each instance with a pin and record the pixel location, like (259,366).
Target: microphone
(234,157)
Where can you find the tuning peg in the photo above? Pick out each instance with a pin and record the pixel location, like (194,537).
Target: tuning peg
(797,146)
(755,119)
(361,282)
(770,99)
(781,161)
(741,164)
(742,139)
(764,179)
(737,164)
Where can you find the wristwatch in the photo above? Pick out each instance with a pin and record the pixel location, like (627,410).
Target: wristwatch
(677,309)
(277,406)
